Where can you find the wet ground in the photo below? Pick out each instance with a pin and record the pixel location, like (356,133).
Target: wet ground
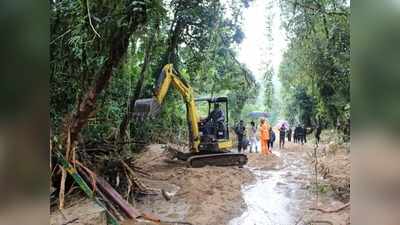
(201,196)
(277,189)
(277,196)
(283,193)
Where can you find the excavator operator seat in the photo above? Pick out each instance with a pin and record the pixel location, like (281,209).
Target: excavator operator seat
(210,129)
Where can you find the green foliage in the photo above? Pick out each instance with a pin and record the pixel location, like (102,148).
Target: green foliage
(315,72)
(80,45)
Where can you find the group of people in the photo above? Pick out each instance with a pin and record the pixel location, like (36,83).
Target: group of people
(267,136)
(299,135)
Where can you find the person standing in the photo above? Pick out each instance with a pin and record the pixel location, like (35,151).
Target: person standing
(305,134)
(272,139)
(301,135)
(318,134)
(240,131)
(282,136)
(298,134)
(253,136)
(289,134)
(264,136)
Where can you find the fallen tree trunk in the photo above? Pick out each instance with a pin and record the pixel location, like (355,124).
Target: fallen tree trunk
(85,175)
(115,197)
(110,195)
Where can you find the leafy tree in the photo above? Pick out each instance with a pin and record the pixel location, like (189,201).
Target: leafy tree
(315,72)
(130,41)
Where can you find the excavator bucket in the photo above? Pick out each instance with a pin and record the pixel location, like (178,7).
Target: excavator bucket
(146,108)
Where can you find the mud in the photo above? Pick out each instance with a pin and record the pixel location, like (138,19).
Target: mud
(285,191)
(208,195)
(278,189)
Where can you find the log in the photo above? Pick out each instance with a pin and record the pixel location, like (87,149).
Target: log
(116,198)
(82,184)
(107,202)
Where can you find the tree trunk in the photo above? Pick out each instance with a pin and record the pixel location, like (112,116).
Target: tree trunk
(118,48)
(138,90)
(170,55)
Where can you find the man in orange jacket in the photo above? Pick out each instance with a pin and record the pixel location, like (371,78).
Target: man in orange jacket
(264,136)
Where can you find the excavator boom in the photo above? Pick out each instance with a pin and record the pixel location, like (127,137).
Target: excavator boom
(150,107)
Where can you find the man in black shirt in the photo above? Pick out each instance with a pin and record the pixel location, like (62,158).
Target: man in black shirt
(282,136)
(289,134)
(240,132)
(215,120)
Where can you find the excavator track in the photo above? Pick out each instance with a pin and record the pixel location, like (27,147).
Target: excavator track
(217,159)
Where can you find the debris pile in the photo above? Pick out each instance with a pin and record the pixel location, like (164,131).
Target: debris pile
(106,177)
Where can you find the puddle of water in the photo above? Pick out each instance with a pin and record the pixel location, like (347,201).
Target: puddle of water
(275,198)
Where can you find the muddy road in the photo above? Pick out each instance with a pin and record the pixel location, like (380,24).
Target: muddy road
(278,189)
(278,195)
(284,191)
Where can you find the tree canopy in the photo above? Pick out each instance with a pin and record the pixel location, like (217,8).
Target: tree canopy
(106,54)
(315,72)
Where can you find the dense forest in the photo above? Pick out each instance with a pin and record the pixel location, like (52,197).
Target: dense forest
(315,72)
(106,54)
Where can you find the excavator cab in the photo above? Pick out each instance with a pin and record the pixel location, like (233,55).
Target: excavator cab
(214,135)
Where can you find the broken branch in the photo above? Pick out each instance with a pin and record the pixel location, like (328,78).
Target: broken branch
(331,210)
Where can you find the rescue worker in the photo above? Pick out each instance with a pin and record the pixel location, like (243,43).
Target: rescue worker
(289,134)
(264,136)
(253,136)
(282,135)
(240,132)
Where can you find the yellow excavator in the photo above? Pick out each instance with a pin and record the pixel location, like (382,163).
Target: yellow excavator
(208,139)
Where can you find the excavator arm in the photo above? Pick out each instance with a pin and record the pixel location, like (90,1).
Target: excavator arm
(151,107)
